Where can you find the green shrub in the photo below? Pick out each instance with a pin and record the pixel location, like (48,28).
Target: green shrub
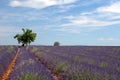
(29,76)
(34,49)
(56,43)
(59,68)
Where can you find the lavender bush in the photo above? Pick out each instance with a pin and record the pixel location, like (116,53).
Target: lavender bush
(83,62)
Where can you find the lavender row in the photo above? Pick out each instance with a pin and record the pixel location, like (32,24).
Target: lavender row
(28,68)
(82,57)
(80,54)
(6,55)
(81,62)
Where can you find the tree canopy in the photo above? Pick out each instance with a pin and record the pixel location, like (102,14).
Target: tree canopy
(26,38)
(56,43)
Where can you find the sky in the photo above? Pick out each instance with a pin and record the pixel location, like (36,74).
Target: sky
(70,22)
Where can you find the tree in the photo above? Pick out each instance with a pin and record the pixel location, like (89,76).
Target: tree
(26,38)
(56,43)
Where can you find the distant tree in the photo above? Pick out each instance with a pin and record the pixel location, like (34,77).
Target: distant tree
(56,43)
(26,38)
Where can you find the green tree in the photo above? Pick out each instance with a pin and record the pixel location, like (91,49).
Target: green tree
(26,38)
(56,43)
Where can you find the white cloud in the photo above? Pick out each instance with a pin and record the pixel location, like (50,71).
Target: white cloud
(108,39)
(8,17)
(64,8)
(85,21)
(113,8)
(69,17)
(100,17)
(69,30)
(38,4)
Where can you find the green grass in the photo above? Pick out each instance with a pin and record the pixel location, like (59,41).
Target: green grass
(103,64)
(34,49)
(29,76)
(60,67)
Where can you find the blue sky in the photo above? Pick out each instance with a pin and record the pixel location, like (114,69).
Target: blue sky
(71,22)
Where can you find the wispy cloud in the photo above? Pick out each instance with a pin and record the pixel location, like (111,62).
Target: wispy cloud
(85,21)
(64,8)
(100,17)
(6,31)
(113,8)
(13,17)
(38,4)
(108,39)
(68,30)
(10,30)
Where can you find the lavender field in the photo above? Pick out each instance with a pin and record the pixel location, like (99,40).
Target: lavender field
(62,63)
(6,55)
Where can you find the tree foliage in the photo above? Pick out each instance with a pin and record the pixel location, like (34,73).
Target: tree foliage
(56,43)
(26,38)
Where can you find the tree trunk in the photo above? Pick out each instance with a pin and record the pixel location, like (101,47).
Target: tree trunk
(23,45)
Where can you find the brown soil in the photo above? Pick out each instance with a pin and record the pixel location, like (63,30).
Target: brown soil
(55,76)
(10,67)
